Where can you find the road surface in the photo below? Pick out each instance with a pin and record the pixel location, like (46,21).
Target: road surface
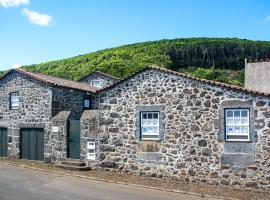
(18,183)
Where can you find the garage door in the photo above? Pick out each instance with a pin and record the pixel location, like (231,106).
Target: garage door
(32,144)
(3,142)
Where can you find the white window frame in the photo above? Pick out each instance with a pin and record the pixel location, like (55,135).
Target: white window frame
(236,123)
(14,100)
(96,83)
(147,123)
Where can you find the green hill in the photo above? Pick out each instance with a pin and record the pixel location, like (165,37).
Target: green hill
(186,55)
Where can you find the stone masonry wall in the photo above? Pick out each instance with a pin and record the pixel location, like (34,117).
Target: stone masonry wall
(105,80)
(68,100)
(57,143)
(89,133)
(192,149)
(34,110)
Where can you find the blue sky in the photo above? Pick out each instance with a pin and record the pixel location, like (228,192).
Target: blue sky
(34,31)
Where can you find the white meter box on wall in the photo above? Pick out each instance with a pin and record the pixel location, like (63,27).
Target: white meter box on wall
(91,156)
(91,145)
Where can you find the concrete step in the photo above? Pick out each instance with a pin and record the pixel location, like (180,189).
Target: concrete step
(71,167)
(73,163)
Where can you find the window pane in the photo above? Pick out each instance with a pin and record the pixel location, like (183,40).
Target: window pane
(229,113)
(14,96)
(245,129)
(144,130)
(244,121)
(86,103)
(244,113)
(229,121)
(229,129)
(150,116)
(155,122)
(236,121)
(237,129)
(155,116)
(144,116)
(144,122)
(150,122)
(237,113)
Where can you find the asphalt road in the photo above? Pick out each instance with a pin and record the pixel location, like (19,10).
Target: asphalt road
(25,184)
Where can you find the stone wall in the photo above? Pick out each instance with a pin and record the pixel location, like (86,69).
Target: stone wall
(34,110)
(89,133)
(105,80)
(67,100)
(56,149)
(192,149)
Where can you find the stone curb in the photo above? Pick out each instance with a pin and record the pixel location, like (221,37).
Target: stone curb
(116,182)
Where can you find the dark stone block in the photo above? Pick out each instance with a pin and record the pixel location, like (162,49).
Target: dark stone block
(259,123)
(118,142)
(252,185)
(225,182)
(266,114)
(207,103)
(202,143)
(206,152)
(213,175)
(108,164)
(215,100)
(180,165)
(113,130)
(186,91)
(191,172)
(114,115)
(106,121)
(106,148)
(113,101)
(260,103)
(195,128)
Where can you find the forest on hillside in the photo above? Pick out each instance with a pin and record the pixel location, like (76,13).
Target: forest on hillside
(220,59)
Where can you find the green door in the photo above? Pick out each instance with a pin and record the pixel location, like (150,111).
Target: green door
(32,144)
(3,142)
(73,139)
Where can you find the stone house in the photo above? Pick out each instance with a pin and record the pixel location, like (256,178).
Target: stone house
(156,122)
(34,109)
(161,123)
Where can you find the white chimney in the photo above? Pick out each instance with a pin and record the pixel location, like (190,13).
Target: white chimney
(257,76)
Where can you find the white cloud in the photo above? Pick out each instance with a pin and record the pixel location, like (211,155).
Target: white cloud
(37,18)
(267,19)
(13,3)
(16,65)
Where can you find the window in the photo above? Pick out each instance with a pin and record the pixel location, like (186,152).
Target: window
(237,124)
(87,102)
(150,126)
(14,100)
(96,83)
